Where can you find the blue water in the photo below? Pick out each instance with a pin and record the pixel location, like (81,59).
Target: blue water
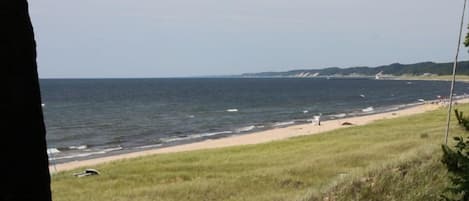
(91,117)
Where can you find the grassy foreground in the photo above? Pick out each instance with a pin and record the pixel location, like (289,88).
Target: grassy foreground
(394,159)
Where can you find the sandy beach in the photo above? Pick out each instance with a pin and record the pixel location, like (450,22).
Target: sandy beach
(257,137)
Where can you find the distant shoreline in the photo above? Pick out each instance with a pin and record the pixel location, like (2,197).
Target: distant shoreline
(459,78)
(255,137)
(427,69)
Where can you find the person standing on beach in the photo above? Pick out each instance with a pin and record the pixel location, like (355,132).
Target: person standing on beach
(317,119)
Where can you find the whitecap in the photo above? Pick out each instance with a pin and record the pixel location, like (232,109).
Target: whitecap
(284,123)
(368,109)
(150,146)
(53,151)
(80,147)
(305,111)
(174,139)
(88,153)
(212,134)
(245,129)
(341,115)
(195,136)
(232,110)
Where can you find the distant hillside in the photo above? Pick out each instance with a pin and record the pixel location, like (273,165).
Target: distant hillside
(396,69)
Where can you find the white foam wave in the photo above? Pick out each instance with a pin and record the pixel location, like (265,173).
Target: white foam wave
(53,151)
(195,136)
(174,139)
(368,109)
(150,146)
(232,110)
(212,134)
(341,115)
(80,147)
(245,129)
(284,123)
(88,153)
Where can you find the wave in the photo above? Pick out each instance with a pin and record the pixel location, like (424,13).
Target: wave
(80,147)
(341,115)
(149,146)
(210,134)
(195,136)
(283,123)
(393,108)
(104,151)
(53,151)
(232,110)
(368,109)
(245,129)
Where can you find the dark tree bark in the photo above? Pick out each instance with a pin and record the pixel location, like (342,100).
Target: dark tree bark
(24,161)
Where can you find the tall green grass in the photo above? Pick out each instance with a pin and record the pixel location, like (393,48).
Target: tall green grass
(315,167)
(416,177)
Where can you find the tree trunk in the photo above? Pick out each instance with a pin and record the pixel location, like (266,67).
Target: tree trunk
(24,161)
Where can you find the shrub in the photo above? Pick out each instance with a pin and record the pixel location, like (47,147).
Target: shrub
(456,161)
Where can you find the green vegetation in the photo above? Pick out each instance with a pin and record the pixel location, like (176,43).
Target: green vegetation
(457,163)
(466,39)
(421,177)
(397,159)
(424,69)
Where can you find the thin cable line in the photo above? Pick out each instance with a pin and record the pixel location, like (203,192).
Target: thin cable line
(454,74)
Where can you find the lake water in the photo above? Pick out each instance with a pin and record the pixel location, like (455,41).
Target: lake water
(93,117)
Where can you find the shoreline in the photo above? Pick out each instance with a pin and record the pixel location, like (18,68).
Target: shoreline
(243,130)
(259,137)
(442,78)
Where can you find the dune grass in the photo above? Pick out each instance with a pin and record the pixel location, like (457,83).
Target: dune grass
(415,177)
(301,168)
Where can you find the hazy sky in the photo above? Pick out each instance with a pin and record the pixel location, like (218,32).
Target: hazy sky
(166,38)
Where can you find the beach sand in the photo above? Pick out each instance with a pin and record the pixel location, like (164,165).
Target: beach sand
(257,137)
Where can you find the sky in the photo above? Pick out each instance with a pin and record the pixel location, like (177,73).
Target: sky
(181,38)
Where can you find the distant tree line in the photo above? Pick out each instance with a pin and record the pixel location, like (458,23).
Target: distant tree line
(396,69)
